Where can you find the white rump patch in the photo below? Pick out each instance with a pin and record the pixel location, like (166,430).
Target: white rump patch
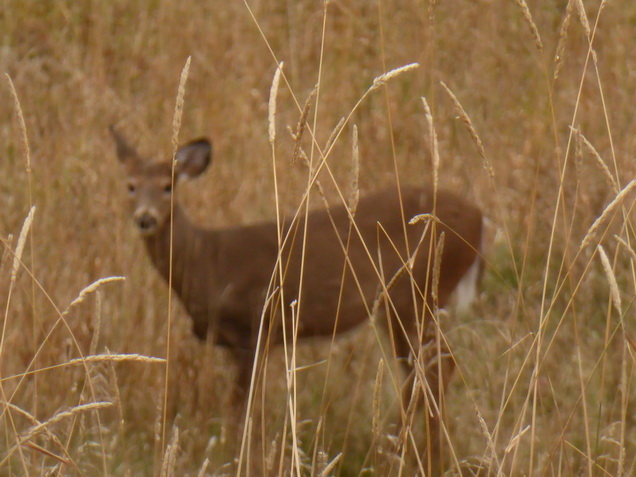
(466,290)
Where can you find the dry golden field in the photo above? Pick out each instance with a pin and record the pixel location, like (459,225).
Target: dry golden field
(535,124)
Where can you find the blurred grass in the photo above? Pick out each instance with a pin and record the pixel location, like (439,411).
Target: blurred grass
(79,66)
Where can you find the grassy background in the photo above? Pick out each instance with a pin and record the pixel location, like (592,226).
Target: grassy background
(546,359)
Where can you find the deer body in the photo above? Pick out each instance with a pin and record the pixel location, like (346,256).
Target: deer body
(228,279)
(223,276)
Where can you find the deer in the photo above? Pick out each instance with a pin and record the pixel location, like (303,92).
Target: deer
(234,281)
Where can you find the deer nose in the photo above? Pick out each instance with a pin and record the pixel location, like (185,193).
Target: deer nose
(146,222)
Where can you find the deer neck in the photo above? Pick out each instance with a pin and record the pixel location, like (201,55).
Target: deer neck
(184,241)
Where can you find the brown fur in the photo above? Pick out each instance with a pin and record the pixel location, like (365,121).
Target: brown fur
(225,277)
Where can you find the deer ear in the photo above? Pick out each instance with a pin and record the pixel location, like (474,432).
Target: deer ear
(125,153)
(193,158)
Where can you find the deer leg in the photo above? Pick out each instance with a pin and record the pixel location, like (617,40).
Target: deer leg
(438,367)
(428,367)
(240,390)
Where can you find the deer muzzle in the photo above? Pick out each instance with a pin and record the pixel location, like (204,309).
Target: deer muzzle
(146,222)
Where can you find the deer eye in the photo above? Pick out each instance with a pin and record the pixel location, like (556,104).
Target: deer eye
(131,188)
(167,189)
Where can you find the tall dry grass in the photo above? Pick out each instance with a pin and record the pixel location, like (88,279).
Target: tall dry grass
(535,123)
